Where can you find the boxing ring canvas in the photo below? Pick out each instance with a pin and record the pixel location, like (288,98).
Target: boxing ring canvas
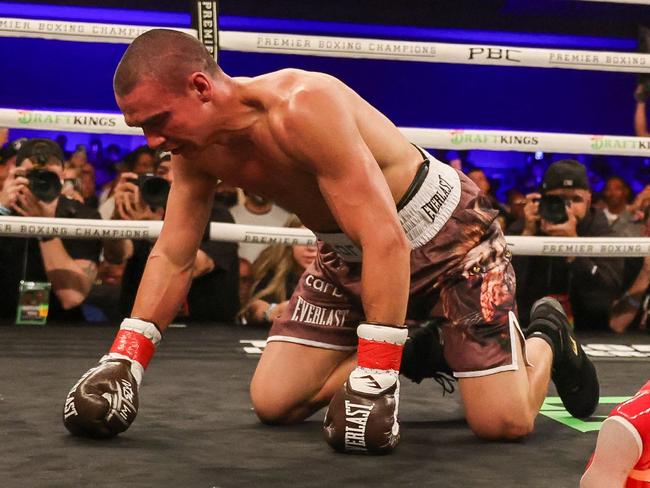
(196,427)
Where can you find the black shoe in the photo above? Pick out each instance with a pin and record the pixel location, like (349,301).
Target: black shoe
(422,357)
(573,372)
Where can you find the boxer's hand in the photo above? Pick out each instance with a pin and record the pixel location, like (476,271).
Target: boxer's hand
(362,415)
(104,402)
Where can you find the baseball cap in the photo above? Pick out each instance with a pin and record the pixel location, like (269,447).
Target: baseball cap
(566,173)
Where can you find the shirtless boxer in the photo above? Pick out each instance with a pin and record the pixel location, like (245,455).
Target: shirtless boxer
(398,232)
(622,455)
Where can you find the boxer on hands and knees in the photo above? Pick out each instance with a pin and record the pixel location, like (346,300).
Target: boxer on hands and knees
(400,234)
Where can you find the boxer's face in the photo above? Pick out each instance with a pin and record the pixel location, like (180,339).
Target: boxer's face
(171,120)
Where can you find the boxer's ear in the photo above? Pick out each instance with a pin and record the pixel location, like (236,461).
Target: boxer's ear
(201,85)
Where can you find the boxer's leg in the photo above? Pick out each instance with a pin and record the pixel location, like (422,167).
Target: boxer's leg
(292,381)
(311,348)
(504,405)
(485,347)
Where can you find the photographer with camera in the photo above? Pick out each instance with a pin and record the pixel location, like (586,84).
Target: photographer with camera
(140,161)
(33,189)
(587,286)
(214,293)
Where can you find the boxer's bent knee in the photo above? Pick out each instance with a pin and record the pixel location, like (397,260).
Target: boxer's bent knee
(273,410)
(502,426)
(293,381)
(275,405)
(497,406)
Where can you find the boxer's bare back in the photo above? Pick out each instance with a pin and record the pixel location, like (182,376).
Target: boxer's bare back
(277,133)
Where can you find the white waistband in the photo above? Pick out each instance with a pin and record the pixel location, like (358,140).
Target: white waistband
(421,218)
(430,208)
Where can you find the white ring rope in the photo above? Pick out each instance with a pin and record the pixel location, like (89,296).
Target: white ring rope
(433,52)
(144,229)
(75,31)
(347,47)
(97,122)
(119,229)
(495,140)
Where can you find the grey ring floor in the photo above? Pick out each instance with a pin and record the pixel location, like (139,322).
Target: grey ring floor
(196,428)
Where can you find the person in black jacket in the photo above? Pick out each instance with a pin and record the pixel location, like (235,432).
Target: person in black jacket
(586,286)
(69,265)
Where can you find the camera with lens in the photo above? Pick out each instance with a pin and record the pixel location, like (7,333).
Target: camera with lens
(154,190)
(44,184)
(552,208)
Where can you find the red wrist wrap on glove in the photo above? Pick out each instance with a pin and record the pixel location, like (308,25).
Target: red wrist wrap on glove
(379,355)
(134,345)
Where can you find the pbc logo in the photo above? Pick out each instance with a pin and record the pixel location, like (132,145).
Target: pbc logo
(496,53)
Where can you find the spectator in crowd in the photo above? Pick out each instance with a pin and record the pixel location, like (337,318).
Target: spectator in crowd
(140,161)
(256,210)
(214,294)
(108,169)
(516,201)
(8,158)
(632,307)
(70,265)
(641,95)
(478,176)
(79,157)
(617,196)
(4,136)
(88,185)
(626,220)
(586,286)
(275,272)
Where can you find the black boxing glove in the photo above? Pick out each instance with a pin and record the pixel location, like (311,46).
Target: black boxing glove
(104,402)
(362,415)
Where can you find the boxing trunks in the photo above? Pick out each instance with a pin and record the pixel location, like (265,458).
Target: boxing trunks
(634,415)
(460,272)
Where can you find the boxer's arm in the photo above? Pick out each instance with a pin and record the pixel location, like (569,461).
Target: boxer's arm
(616,454)
(168,273)
(322,132)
